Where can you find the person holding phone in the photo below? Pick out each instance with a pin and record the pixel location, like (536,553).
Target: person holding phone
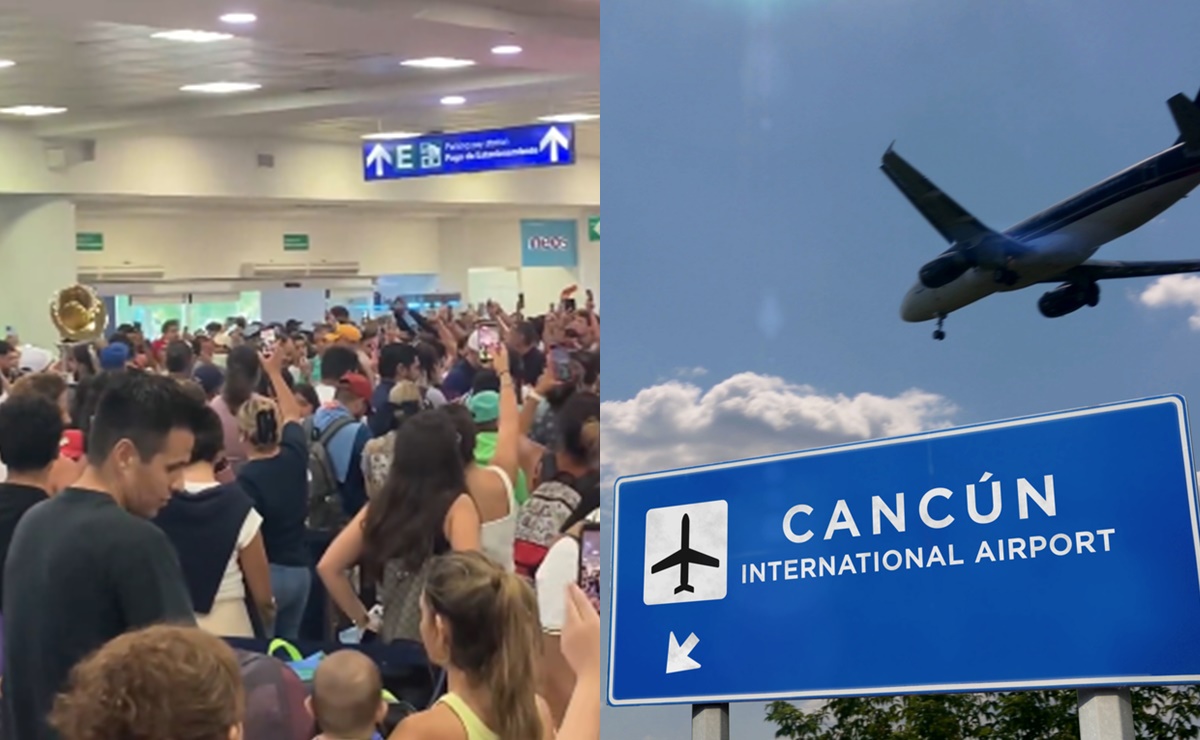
(574,558)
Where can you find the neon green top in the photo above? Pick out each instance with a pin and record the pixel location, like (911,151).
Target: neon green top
(485,451)
(476,729)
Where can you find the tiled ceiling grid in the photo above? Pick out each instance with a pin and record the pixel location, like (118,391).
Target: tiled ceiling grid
(95,67)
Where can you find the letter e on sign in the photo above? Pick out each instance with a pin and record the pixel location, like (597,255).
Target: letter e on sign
(687,549)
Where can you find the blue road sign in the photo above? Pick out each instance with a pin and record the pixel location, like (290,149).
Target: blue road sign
(470,151)
(1049,552)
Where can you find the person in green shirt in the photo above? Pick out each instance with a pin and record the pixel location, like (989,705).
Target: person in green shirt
(485,410)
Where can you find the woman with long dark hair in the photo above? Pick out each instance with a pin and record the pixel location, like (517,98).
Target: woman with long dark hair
(422,511)
(243,373)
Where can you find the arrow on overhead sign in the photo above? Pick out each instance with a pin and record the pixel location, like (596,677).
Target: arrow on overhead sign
(554,139)
(379,156)
(677,655)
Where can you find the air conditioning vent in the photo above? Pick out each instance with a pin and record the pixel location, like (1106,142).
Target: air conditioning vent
(292,271)
(121,274)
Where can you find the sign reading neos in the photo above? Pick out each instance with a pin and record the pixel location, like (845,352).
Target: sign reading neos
(1054,551)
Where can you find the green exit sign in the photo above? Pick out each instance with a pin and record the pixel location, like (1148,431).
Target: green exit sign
(593,228)
(89,242)
(295,242)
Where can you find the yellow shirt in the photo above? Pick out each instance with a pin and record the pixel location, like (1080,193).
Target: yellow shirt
(476,729)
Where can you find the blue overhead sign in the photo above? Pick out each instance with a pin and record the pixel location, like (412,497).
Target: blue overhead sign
(1050,552)
(470,151)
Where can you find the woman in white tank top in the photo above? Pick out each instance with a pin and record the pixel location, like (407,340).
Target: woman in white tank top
(492,464)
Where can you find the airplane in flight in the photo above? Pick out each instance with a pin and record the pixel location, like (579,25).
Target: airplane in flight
(683,557)
(1054,246)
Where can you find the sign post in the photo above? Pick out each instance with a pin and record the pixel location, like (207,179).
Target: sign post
(1105,714)
(710,722)
(1008,556)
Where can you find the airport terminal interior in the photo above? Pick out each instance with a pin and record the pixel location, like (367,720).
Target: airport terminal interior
(350,249)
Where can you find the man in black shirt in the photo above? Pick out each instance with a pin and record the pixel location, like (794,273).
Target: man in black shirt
(86,565)
(31,429)
(530,362)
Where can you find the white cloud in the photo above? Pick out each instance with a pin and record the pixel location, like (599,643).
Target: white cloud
(1175,290)
(677,424)
(690,372)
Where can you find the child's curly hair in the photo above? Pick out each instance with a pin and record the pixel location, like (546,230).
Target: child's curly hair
(159,683)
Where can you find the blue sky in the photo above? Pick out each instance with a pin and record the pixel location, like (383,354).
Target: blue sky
(756,256)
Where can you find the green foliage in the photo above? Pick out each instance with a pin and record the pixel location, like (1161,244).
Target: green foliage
(1160,713)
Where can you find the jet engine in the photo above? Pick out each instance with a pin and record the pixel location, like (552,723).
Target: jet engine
(945,269)
(1068,298)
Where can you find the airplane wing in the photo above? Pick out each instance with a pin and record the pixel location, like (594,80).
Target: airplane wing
(699,558)
(951,220)
(669,562)
(1095,270)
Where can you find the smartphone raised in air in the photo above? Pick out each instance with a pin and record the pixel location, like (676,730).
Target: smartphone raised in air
(561,357)
(589,562)
(489,339)
(269,340)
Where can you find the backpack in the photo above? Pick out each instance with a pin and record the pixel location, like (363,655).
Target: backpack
(555,506)
(325,511)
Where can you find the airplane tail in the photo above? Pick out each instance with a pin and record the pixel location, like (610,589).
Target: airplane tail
(1187,118)
(684,587)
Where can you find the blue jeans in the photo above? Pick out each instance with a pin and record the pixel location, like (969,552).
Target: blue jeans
(290,584)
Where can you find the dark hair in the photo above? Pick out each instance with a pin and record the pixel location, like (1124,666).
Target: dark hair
(308,394)
(210,437)
(159,682)
(85,361)
(590,362)
(179,357)
(122,337)
(579,428)
(395,356)
(243,371)
(464,424)
(428,356)
(198,343)
(340,313)
(486,379)
(426,477)
(170,325)
(337,361)
(5,347)
(87,395)
(214,327)
(31,429)
(142,408)
(50,386)
(528,333)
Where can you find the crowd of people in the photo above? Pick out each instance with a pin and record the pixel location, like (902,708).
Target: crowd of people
(160,499)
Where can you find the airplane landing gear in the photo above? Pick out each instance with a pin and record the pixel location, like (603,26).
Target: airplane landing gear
(939,334)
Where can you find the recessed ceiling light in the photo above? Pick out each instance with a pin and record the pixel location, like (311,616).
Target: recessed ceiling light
(453,100)
(506,49)
(32,110)
(192,37)
(569,117)
(221,88)
(391,135)
(239,19)
(438,63)
(6,63)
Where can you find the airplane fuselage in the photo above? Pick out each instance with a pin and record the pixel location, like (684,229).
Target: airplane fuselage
(1069,233)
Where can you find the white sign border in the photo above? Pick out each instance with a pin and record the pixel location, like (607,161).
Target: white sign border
(1175,400)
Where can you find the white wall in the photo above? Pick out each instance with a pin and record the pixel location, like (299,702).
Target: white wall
(215,244)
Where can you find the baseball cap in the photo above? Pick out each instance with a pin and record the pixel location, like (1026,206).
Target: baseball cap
(358,385)
(348,333)
(209,377)
(484,406)
(35,359)
(115,356)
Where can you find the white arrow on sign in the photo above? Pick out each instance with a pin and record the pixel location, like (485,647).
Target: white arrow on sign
(677,655)
(554,139)
(378,156)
